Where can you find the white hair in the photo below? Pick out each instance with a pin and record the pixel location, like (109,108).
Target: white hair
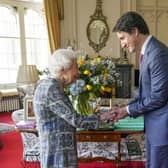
(61,59)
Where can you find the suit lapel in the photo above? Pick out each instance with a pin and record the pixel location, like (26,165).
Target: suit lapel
(148,49)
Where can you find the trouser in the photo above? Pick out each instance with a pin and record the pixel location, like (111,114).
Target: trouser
(157,156)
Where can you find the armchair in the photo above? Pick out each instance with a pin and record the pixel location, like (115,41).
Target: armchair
(31,154)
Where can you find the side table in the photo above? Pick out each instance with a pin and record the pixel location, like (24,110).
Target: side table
(105,136)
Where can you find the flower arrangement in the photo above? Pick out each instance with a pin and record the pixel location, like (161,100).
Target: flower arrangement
(97,78)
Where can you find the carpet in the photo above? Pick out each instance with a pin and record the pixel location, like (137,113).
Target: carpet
(11,152)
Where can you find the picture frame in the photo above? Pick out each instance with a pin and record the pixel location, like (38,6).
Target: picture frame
(114,102)
(105,102)
(28,108)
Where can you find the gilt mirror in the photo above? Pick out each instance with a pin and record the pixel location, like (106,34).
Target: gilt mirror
(97,29)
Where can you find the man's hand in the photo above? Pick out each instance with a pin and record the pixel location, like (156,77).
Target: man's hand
(119,113)
(109,115)
(114,114)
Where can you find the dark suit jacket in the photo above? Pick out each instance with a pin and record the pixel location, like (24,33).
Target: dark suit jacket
(152,101)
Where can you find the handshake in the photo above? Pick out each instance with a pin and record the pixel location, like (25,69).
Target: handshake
(114,114)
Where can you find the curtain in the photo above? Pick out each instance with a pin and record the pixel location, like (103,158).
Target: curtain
(53,13)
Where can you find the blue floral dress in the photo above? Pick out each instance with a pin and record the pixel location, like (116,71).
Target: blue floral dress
(56,123)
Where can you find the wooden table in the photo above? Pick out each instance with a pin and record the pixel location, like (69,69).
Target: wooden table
(104,136)
(123,128)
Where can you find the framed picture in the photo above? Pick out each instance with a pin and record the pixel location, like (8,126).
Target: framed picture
(114,102)
(28,108)
(104,102)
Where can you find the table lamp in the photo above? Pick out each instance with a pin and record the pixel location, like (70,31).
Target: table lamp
(28,75)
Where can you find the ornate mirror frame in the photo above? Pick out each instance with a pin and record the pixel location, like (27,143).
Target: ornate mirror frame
(97,29)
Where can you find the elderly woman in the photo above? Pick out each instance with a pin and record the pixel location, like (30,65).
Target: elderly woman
(56,118)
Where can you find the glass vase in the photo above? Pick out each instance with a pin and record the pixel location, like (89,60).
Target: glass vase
(84,105)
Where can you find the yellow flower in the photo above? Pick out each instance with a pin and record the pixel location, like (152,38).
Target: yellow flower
(89,87)
(102,88)
(81,62)
(106,89)
(86,72)
(98,58)
(106,75)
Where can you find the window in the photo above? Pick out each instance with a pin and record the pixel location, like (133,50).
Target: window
(36,39)
(9,44)
(23,38)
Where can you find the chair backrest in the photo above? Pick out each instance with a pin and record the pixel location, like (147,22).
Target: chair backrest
(31,152)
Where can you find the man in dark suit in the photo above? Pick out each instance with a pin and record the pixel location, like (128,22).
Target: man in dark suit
(152,101)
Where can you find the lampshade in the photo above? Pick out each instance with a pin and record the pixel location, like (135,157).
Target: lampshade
(27,74)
